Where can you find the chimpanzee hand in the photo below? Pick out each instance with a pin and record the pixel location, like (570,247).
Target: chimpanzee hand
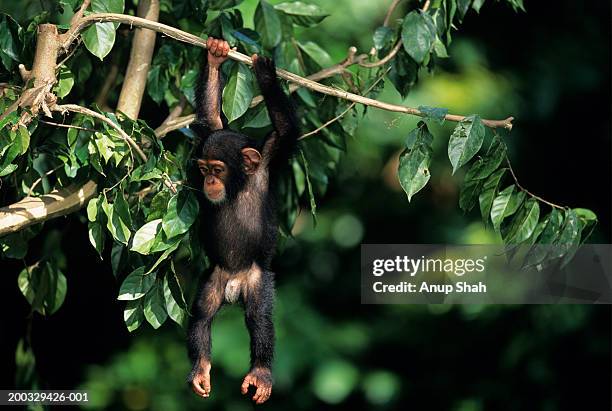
(265,70)
(217,51)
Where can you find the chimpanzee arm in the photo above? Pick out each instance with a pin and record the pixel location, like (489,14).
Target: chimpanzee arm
(209,87)
(282,142)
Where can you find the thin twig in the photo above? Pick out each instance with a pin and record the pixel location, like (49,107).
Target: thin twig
(386,59)
(527,191)
(390,11)
(51,123)
(339,116)
(47,174)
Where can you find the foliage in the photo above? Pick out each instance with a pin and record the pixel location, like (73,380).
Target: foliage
(144,228)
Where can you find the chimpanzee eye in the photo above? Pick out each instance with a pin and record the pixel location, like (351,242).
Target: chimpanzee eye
(218,170)
(204,170)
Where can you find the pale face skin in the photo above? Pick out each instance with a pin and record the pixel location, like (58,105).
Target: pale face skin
(215,175)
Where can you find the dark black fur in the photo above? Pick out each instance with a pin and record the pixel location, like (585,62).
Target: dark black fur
(228,244)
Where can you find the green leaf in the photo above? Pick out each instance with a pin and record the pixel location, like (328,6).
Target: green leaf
(174,309)
(434,113)
(24,139)
(223,4)
(489,191)
(157,83)
(500,205)
(238,92)
(92,209)
(118,258)
(107,6)
(462,7)
(315,52)
(268,24)
(413,170)
(465,141)
(188,85)
(311,197)
(65,82)
(96,237)
(122,209)
(182,211)
(14,245)
(136,285)
(104,145)
(302,14)
(145,237)
(548,233)
(44,286)
(9,41)
(515,202)
(383,37)
(552,229)
(70,4)
(569,237)
(440,49)
(133,315)
(172,247)
(99,39)
(159,204)
(477,5)
(257,117)
(470,190)
(116,225)
(155,306)
(524,223)
(418,35)
(299,176)
(482,168)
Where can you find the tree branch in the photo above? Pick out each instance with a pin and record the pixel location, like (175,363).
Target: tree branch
(141,53)
(175,114)
(234,55)
(33,210)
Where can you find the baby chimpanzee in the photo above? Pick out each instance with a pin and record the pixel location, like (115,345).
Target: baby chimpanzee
(238,218)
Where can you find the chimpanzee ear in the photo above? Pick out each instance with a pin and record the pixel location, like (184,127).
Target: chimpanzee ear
(251,158)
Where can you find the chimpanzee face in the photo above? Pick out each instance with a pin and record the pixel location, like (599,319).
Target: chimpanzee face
(215,175)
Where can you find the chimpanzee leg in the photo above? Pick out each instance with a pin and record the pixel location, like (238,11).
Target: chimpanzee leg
(258,303)
(206,305)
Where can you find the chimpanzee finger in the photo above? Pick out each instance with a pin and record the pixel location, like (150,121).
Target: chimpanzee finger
(197,388)
(213,46)
(245,386)
(264,396)
(259,393)
(226,49)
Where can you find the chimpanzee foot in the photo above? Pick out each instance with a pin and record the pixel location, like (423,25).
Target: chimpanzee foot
(261,379)
(200,382)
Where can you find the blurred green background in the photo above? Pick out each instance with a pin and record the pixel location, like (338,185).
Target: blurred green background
(550,68)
